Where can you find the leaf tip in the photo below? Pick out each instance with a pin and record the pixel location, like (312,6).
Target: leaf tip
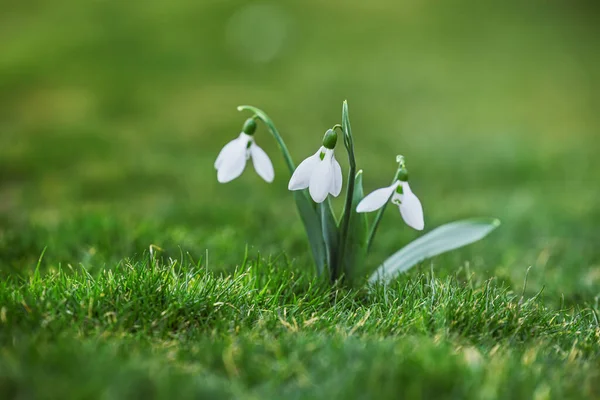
(493,222)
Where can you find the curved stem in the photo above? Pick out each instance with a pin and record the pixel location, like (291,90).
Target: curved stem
(306,207)
(376,222)
(379,215)
(271,126)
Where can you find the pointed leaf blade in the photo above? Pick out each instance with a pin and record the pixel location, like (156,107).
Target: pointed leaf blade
(355,250)
(442,239)
(314,233)
(330,236)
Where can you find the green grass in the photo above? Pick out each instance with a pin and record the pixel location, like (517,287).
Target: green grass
(111,116)
(149,328)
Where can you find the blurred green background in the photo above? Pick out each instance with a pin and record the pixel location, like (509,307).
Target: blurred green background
(112,114)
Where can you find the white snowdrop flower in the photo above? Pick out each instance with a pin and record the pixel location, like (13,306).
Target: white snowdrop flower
(231,161)
(320,173)
(400,194)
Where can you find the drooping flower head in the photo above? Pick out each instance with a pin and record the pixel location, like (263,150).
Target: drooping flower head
(320,173)
(400,194)
(231,161)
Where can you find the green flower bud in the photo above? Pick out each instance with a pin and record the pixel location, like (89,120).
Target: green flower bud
(249,126)
(402,175)
(330,139)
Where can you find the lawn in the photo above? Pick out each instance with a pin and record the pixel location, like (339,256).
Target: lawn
(128,271)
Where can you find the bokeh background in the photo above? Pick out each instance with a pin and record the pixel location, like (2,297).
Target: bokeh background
(112,114)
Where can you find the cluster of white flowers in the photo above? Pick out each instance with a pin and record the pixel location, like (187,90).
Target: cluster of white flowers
(339,246)
(320,173)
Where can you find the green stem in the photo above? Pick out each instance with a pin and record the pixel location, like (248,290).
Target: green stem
(373,230)
(311,219)
(379,215)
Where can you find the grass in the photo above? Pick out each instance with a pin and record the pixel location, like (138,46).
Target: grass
(157,282)
(158,329)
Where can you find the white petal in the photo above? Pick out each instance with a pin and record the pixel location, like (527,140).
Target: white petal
(411,208)
(227,149)
(233,161)
(262,163)
(337,178)
(321,180)
(376,199)
(301,176)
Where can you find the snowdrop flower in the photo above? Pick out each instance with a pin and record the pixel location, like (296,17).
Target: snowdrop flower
(400,194)
(320,173)
(231,161)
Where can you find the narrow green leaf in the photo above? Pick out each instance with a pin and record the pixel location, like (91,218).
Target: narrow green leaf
(355,251)
(442,239)
(314,233)
(345,222)
(330,237)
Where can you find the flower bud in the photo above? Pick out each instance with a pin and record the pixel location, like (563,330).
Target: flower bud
(249,126)
(402,175)
(330,139)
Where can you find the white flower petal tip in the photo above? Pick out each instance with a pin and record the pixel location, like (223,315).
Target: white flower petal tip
(320,173)
(230,171)
(231,160)
(414,222)
(376,199)
(226,152)
(262,163)
(411,208)
(301,177)
(336,187)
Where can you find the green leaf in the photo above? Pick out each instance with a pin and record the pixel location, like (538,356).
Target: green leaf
(330,236)
(442,239)
(355,251)
(345,222)
(314,233)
